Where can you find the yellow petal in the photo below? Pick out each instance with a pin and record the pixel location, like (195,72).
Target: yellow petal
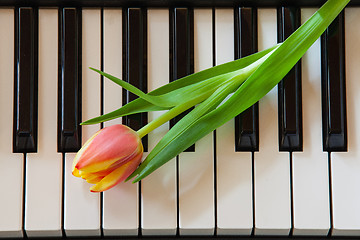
(91,177)
(76,172)
(116,176)
(99,166)
(94,180)
(88,175)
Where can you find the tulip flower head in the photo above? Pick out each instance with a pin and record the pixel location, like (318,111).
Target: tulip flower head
(108,157)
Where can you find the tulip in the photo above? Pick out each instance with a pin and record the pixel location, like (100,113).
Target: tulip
(108,157)
(217,94)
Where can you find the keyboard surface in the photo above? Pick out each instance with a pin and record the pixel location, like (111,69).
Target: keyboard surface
(287,167)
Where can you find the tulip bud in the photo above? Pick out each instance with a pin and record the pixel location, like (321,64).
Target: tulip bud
(108,157)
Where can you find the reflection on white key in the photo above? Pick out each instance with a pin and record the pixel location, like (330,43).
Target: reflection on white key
(196,169)
(11,164)
(82,208)
(120,204)
(310,167)
(159,188)
(234,180)
(345,167)
(44,169)
(272,168)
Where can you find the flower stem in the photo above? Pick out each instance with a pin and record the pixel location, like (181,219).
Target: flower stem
(167,116)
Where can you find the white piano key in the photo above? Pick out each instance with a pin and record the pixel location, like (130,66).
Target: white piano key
(118,219)
(112,47)
(345,166)
(44,169)
(158,190)
(11,164)
(310,167)
(82,207)
(272,168)
(196,169)
(234,169)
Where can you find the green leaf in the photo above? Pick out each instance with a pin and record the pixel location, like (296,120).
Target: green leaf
(198,91)
(212,72)
(208,105)
(136,106)
(155,100)
(270,72)
(140,105)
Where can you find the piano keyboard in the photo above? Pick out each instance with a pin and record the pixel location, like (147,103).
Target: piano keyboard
(288,166)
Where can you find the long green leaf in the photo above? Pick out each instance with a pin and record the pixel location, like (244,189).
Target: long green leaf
(208,105)
(176,96)
(199,92)
(277,65)
(140,105)
(137,106)
(151,99)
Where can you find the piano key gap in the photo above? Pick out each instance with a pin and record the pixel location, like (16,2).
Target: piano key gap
(63,196)
(291,195)
(215,167)
(101,107)
(214,132)
(330,196)
(253,190)
(177,197)
(24,192)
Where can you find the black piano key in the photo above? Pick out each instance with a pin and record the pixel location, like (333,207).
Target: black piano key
(135,62)
(181,49)
(168,3)
(289,89)
(26,80)
(247,123)
(69,97)
(333,86)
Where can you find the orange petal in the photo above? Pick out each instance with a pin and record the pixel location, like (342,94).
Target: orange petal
(110,164)
(114,142)
(81,151)
(116,176)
